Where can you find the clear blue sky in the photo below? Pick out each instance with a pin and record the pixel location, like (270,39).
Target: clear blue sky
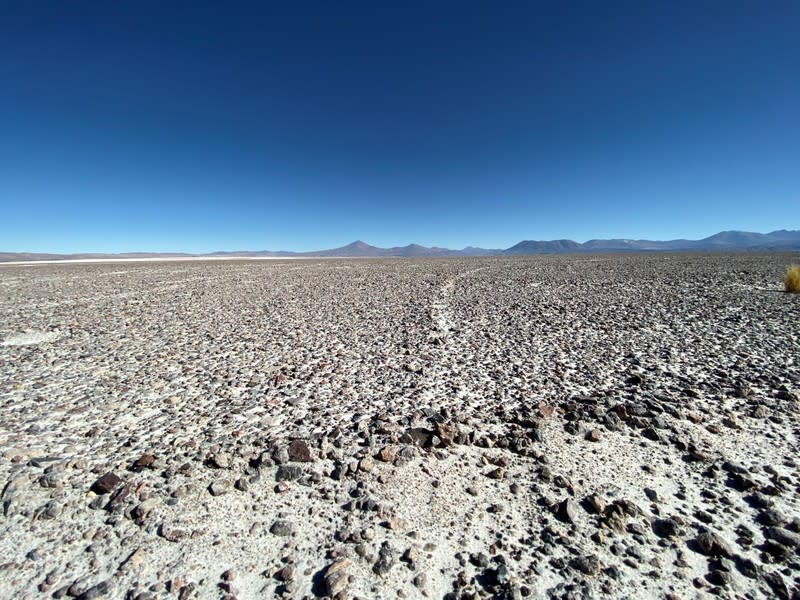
(305,125)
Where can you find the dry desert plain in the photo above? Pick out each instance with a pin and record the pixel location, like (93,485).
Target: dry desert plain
(561,426)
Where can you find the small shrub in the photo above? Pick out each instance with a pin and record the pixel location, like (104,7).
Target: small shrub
(792,280)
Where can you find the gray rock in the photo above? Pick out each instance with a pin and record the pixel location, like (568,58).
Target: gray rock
(567,511)
(782,536)
(771,517)
(778,585)
(219,487)
(667,528)
(289,473)
(282,528)
(385,559)
(711,544)
(417,436)
(104,588)
(720,577)
(52,481)
(220,460)
(336,577)
(588,565)
(748,568)
(595,503)
(13,493)
(280,455)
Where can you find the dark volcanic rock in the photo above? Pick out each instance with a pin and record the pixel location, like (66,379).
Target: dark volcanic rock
(418,436)
(282,528)
(782,536)
(588,565)
(105,484)
(145,461)
(288,473)
(299,451)
(667,528)
(778,585)
(103,588)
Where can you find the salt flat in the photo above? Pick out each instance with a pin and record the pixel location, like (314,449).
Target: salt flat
(565,426)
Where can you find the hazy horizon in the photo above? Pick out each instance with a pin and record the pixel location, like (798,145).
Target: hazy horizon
(152,128)
(371,245)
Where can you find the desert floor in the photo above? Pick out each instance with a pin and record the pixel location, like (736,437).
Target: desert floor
(568,427)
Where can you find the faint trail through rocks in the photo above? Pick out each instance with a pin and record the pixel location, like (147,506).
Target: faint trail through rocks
(447,346)
(441,310)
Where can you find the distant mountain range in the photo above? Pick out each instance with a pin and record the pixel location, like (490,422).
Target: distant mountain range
(725,241)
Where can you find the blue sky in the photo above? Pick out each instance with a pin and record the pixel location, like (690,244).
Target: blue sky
(200,127)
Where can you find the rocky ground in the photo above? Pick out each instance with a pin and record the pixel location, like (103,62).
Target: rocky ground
(562,427)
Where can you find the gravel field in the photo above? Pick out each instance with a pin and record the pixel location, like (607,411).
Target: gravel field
(562,426)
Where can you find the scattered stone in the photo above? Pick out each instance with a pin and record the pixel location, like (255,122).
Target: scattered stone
(777,584)
(289,473)
(220,460)
(418,437)
(298,451)
(594,435)
(420,581)
(595,503)
(667,528)
(498,473)
(219,487)
(336,577)
(366,464)
(588,565)
(145,461)
(263,371)
(282,528)
(711,544)
(567,511)
(782,536)
(720,577)
(104,588)
(388,454)
(396,523)
(385,559)
(285,574)
(106,484)
(748,568)
(546,411)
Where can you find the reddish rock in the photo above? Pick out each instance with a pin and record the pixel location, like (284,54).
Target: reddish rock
(388,454)
(396,523)
(446,433)
(593,435)
(299,451)
(546,410)
(145,461)
(107,483)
